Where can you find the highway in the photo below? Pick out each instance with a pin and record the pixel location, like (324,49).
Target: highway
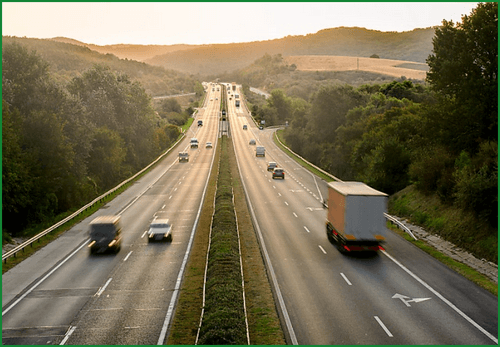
(398,296)
(71,297)
(63,295)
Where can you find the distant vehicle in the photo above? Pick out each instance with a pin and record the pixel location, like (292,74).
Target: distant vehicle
(217,98)
(245,127)
(237,103)
(236,96)
(200,123)
(105,234)
(261,127)
(223,112)
(278,173)
(194,142)
(208,145)
(355,218)
(260,151)
(183,156)
(272,165)
(252,142)
(160,230)
(211,99)
(218,89)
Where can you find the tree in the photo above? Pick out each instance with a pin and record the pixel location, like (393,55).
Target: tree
(281,104)
(463,69)
(171,105)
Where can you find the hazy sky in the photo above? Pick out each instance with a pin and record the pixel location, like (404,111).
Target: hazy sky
(224,22)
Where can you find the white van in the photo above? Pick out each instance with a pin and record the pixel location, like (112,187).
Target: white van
(194,142)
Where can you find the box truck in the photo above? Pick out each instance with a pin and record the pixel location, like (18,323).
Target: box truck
(260,151)
(355,219)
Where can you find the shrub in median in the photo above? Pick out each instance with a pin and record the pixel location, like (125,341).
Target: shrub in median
(224,318)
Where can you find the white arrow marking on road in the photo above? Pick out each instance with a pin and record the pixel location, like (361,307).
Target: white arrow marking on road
(406,302)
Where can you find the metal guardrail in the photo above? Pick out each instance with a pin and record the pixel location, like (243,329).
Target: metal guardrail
(388,216)
(400,225)
(35,238)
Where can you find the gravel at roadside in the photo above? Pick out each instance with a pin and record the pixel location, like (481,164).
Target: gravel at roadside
(483,266)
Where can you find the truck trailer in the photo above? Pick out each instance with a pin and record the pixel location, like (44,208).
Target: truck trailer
(355,219)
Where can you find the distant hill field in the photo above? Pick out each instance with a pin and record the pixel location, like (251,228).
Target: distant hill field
(395,68)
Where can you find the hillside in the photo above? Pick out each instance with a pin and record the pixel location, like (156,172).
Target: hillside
(123,51)
(412,46)
(69,58)
(415,45)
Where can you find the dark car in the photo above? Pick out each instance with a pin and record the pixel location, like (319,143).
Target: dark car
(200,123)
(271,166)
(105,234)
(278,173)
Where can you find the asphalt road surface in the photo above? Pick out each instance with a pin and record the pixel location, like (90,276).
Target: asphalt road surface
(398,296)
(63,295)
(123,298)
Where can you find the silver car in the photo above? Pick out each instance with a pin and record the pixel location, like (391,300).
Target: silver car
(160,230)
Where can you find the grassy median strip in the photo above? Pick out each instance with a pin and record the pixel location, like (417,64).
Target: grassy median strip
(224,320)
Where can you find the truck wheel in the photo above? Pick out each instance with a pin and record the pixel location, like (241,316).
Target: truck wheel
(330,237)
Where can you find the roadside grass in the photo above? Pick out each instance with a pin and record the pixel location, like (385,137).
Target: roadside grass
(452,224)
(263,321)
(186,126)
(279,134)
(464,270)
(189,306)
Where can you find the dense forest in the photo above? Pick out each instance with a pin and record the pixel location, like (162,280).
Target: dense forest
(441,137)
(63,144)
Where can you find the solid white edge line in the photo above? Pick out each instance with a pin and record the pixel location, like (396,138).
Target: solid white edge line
(44,278)
(456,309)
(68,334)
(346,279)
(383,326)
(281,301)
(173,299)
